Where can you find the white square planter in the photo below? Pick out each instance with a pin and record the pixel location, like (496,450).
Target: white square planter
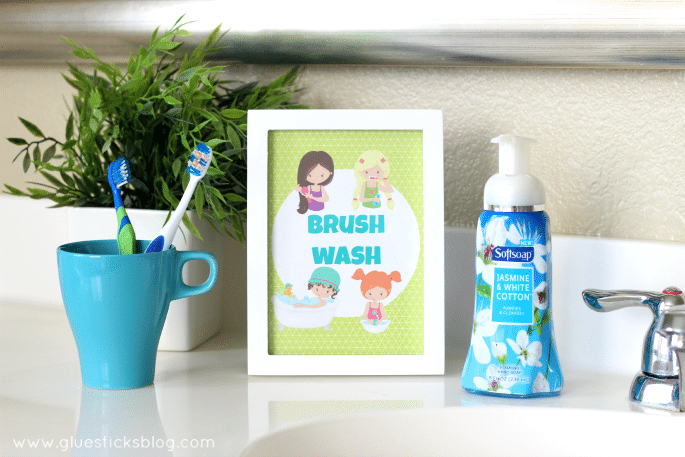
(191,320)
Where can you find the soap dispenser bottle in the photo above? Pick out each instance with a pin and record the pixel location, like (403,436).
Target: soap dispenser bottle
(513,351)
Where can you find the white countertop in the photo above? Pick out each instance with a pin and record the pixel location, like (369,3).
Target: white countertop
(206,395)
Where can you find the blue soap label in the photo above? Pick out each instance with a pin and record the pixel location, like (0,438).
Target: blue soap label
(512,297)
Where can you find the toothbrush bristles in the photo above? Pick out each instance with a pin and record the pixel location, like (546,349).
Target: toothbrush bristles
(200,160)
(122,175)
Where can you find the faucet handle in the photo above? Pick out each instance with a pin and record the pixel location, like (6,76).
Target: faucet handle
(611,300)
(657,358)
(657,383)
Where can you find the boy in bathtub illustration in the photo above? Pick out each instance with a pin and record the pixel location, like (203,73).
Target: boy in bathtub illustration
(310,312)
(324,284)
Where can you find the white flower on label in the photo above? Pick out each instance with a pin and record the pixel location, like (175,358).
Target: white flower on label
(488,273)
(495,232)
(499,351)
(493,381)
(541,294)
(539,262)
(528,354)
(483,327)
(540,384)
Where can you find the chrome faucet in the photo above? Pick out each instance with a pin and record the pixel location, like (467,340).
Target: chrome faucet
(656,385)
(671,325)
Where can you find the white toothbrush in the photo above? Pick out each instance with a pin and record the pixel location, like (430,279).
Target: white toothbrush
(199,163)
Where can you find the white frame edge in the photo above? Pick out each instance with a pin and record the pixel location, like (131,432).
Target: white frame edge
(259,362)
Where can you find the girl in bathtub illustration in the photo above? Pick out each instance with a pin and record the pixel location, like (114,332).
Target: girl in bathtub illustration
(371,171)
(314,173)
(310,312)
(375,286)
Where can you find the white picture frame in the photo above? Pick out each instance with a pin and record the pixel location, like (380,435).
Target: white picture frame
(263,356)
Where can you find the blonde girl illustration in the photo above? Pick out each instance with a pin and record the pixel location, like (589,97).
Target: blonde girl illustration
(313,174)
(372,171)
(375,286)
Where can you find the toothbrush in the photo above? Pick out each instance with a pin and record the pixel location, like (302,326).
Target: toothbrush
(199,163)
(118,174)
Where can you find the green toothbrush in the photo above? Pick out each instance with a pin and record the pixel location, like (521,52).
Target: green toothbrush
(118,174)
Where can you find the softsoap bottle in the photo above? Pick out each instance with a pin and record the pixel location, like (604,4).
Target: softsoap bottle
(513,352)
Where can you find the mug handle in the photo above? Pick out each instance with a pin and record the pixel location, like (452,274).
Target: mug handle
(183,290)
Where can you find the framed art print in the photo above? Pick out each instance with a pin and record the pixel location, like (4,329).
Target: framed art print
(345,242)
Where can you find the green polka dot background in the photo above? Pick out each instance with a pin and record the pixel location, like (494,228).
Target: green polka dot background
(315,305)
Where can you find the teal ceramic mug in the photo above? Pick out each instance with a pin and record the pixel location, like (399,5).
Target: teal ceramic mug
(116,306)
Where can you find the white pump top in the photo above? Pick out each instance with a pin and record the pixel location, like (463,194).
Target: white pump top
(513,189)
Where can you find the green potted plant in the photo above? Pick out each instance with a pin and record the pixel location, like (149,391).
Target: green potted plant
(153,113)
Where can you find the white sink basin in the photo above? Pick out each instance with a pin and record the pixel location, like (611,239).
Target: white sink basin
(479,431)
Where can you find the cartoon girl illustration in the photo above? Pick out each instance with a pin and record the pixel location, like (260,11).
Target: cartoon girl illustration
(375,286)
(372,171)
(324,284)
(313,174)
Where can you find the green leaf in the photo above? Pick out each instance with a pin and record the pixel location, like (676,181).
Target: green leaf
(171,100)
(190,226)
(133,84)
(150,59)
(15,191)
(502,359)
(167,194)
(233,113)
(69,132)
(69,41)
(199,199)
(213,171)
(18,141)
(166,45)
(35,131)
(213,36)
(95,99)
(27,162)
(187,74)
(154,36)
(184,142)
(537,316)
(213,143)
(484,290)
(237,228)
(239,198)
(107,145)
(232,136)
(546,317)
(200,95)
(67,179)
(176,167)
(37,154)
(80,53)
(68,144)
(49,153)
(38,193)
(182,33)
(51,179)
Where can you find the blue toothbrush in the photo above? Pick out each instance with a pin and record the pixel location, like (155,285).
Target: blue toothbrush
(118,174)
(199,163)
